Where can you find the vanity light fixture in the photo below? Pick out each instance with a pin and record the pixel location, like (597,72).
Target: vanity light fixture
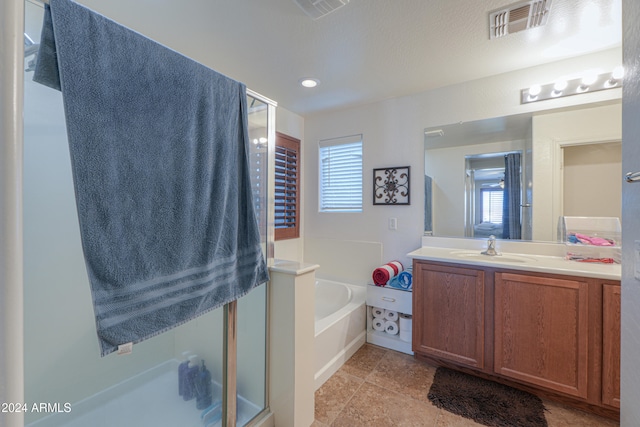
(260,141)
(309,82)
(590,82)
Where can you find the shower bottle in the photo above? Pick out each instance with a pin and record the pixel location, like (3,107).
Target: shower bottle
(190,378)
(203,388)
(182,373)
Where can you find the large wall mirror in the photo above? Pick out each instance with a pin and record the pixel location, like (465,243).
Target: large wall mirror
(513,177)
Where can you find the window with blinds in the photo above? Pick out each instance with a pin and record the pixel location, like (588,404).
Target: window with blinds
(287,178)
(492,206)
(341,174)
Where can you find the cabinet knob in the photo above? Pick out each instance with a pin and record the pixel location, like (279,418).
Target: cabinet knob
(388,299)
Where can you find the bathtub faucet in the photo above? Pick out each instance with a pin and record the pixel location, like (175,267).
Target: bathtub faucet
(491,247)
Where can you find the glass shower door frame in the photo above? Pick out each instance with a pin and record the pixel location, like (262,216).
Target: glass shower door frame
(230,310)
(11,187)
(11,184)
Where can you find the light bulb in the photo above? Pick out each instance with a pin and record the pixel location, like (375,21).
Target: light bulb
(618,72)
(534,90)
(589,78)
(558,87)
(616,75)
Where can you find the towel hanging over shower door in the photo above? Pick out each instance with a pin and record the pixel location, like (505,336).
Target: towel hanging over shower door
(159,152)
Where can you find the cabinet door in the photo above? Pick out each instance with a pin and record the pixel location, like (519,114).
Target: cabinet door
(611,345)
(448,313)
(541,334)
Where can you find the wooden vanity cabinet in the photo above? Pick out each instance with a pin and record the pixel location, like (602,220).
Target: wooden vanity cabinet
(554,335)
(450,306)
(611,345)
(542,331)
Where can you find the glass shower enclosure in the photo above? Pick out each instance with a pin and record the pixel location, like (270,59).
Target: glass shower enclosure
(64,375)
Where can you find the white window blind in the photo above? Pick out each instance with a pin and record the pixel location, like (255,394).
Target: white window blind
(492,206)
(341,174)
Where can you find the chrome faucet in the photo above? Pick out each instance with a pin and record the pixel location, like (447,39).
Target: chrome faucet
(491,247)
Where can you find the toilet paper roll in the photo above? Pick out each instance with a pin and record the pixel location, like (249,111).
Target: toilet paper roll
(405,322)
(391,327)
(377,312)
(391,315)
(378,324)
(405,335)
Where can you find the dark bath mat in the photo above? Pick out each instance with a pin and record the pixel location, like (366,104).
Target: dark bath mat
(484,401)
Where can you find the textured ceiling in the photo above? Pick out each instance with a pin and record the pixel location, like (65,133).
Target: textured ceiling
(366,51)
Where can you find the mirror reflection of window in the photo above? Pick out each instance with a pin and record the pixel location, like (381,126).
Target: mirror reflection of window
(494,190)
(491,205)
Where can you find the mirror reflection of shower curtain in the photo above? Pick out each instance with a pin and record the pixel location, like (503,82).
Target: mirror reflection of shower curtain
(469,201)
(428,205)
(511,212)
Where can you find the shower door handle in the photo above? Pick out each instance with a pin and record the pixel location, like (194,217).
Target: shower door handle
(632,177)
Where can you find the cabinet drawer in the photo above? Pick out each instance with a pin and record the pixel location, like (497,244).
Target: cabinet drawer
(390,299)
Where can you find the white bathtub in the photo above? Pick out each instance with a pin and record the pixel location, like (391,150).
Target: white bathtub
(340,327)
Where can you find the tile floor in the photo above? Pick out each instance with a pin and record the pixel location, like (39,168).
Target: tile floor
(378,387)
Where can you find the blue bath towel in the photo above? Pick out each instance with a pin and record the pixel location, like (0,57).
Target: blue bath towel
(402,281)
(159,152)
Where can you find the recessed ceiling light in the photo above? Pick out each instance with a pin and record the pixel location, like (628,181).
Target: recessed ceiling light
(309,82)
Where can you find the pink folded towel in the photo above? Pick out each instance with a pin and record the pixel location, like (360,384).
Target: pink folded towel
(383,274)
(593,240)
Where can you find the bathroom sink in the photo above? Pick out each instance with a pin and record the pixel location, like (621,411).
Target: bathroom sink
(497,258)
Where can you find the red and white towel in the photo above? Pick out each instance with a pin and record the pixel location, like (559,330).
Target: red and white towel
(383,274)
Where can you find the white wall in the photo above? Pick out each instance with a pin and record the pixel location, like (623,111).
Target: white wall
(393,136)
(630,377)
(592,180)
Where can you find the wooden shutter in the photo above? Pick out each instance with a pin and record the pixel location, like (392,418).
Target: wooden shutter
(287,188)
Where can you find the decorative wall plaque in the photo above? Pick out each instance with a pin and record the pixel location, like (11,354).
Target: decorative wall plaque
(391,186)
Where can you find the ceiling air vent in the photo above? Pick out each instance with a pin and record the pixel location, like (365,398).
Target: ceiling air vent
(518,17)
(319,8)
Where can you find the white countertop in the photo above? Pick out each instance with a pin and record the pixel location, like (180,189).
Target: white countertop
(294,268)
(518,261)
